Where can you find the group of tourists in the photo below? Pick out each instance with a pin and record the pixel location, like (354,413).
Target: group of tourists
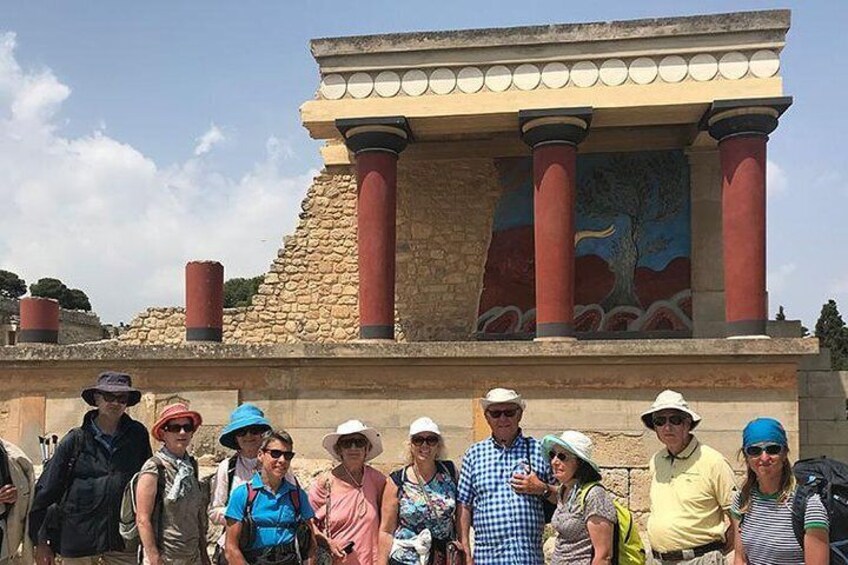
(104,497)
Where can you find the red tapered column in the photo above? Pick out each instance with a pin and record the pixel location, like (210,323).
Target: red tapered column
(376,144)
(204,282)
(554,135)
(742,129)
(39,320)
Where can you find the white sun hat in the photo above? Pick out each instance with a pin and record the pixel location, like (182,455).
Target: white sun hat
(670,400)
(354,427)
(573,442)
(502,396)
(424,424)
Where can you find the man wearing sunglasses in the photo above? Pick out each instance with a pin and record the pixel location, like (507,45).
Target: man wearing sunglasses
(76,509)
(692,488)
(502,483)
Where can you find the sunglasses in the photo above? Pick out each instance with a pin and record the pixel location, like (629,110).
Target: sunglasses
(349,442)
(253,430)
(119,398)
(561,455)
(509,413)
(429,440)
(277,453)
(757,450)
(175,428)
(676,420)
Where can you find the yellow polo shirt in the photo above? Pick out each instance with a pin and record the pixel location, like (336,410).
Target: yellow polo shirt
(690,493)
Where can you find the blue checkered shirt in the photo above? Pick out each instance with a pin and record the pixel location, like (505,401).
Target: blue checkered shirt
(507,526)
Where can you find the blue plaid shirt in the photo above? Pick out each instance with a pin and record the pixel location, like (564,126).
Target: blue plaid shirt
(507,526)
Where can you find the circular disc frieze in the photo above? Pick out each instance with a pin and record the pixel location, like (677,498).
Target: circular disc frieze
(442,81)
(584,74)
(673,68)
(555,75)
(498,78)
(643,70)
(414,82)
(360,85)
(470,80)
(733,65)
(526,77)
(387,84)
(613,72)
(703,67)
(764,63)
(333,87)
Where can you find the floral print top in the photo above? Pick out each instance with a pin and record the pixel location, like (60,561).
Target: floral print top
(415,513)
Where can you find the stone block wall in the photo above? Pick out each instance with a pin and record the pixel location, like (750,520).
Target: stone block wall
(823,408)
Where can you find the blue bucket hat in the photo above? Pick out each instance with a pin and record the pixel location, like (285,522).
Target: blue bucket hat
(244,416)
(764,430)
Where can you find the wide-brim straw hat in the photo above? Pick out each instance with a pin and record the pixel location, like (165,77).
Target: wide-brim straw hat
(115,383)
(245,416)
(575,443)
(354,427)
(670,400)
(174,412)
(502,396)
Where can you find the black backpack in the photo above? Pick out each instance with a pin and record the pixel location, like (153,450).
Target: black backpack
(829,479)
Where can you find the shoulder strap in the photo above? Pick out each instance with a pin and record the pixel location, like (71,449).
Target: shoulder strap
(584,491)
(447,467)
(248,505)
(78,434)
(231,473)
(194,467)
(397,478)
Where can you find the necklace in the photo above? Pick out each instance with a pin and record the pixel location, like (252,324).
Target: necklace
(357,484)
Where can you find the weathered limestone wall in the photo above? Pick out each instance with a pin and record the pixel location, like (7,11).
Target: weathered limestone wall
(823,408)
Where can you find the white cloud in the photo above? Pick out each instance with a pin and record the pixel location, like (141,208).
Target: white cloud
(779,279)
(100,215)
(213,136)
(776,180)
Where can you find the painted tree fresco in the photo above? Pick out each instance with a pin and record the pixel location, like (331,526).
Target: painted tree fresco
(632,266)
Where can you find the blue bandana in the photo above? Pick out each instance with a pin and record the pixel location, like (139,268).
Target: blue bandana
(764,430)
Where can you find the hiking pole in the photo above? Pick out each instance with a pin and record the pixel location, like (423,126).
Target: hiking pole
(43,448)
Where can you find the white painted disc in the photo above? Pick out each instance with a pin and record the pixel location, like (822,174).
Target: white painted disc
(703,66)
(643,70)
(414,82)
(470,79)
(555,75)
(765,63)
(360,85)
(498,78)
(733,65)
(673,68)
(613,72)
(387,84)
(333,87)
(584,74)
(526,77)
(442,81)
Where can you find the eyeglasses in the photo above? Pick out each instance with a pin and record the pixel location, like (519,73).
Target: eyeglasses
(350,442)
(429,440)
(757,450)
(253,430)
(175,428)
(277,453)
(561,455)
(120,398)
(675,420)
(509,413)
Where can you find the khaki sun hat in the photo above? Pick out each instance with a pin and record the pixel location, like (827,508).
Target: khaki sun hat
(670,400)
(502,396)
(354,427)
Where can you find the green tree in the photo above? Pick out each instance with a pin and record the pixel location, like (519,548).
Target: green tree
(70,298)
(240,291)
(832,333)
(11,285)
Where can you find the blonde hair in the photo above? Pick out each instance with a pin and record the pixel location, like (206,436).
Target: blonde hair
(408,457)
(787,482)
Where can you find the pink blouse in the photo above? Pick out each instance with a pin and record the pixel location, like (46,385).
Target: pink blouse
(354,513)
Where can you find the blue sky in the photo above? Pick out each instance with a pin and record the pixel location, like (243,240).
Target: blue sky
(139,135)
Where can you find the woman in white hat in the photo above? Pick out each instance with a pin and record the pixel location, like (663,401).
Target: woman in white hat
(420,497)
(347,499)
(585,516)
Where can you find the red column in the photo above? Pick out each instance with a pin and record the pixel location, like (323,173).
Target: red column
(376,209)
(39,320)
(743,208)
(376,144)
(554,168)
(742,128)
(204,289)
(554,134)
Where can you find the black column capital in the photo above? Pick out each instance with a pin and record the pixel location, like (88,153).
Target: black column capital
(390,134)
(753,116)
(567,126)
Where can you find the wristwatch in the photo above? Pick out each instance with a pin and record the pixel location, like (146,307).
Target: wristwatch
(547,492)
